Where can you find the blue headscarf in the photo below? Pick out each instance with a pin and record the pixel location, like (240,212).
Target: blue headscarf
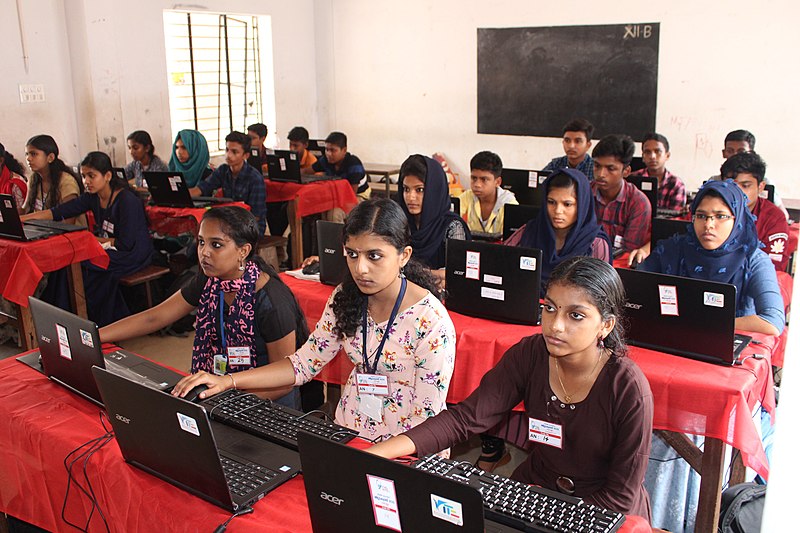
(427,240)
(683,255)
(197,146)
(539,232)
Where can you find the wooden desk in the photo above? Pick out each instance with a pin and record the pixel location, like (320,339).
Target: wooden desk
(383,170)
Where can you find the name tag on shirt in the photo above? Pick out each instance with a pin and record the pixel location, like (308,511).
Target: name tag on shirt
(238,355)
(108,227)
(376,384)
(545,432)
(618,241)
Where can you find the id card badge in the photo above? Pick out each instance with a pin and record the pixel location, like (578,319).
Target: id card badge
(38,205)
(238,356)
(545,432)
(371,406)
(220,365)
(376,384)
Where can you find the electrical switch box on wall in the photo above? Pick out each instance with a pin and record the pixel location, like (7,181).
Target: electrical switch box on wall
(31,93)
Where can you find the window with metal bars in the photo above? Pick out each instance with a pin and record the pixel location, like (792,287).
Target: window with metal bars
(213,61)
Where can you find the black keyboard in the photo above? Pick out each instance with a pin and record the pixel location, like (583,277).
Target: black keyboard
(267,420)
(668,213)
(244,478)
(522,506)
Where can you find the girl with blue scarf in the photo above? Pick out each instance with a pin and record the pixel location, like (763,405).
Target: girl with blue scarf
(722,245)
(190,156)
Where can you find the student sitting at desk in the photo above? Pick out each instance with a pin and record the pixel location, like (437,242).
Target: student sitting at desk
(190,156)
(622,209)
(748,170)
(386,318)
(298,142)
(722,245)
(238,180)
(671,190)
(52,183)
(12,178)
(337,161)
(482,205)
(577,139)
(144,157)
(257,154)
(263,322)
(574,378)
(120,226)
(425,199)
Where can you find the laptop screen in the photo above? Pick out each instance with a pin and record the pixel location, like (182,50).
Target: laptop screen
(525,184)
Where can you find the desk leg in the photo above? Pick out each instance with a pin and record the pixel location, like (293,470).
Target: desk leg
(27,334)
(296,223)
(77,295)
(710,486)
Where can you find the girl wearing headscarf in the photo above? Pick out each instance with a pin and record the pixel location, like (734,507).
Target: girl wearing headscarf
(425,198)
(190,156)
(722,245)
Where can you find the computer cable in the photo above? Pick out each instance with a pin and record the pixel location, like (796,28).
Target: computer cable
(223,526)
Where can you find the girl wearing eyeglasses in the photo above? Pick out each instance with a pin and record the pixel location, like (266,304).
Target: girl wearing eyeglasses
(722,245)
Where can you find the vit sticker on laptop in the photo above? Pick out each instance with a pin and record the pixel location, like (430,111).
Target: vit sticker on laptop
(647,186)
(86,338)
(473,265)
(384,502)
(714,299)
(173,182)
(668,296)
(527,263)
(446,509)
(188,424)
(63,342)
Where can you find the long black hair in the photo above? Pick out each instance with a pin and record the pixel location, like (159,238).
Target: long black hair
(48,145)
(386,219)
(10,162)
(143,138)
(102,163)
(601,283)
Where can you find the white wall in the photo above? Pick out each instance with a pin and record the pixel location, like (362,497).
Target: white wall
(405,77)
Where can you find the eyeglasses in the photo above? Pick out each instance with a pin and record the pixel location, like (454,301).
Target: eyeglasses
(717,218)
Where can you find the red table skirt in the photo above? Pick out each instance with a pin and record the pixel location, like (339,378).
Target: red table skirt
(22,264)
(178,220)
(315,197)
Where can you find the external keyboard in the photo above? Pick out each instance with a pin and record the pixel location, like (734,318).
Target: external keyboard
(244,478)
(268,420)
(524,507)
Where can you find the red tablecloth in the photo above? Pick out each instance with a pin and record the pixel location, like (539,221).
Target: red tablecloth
(690,396)
(22,264)
(314,197)
(177,220)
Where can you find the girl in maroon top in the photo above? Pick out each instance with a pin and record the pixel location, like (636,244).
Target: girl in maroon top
(589,408)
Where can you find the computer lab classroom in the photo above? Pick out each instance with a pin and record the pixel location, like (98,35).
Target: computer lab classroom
(495,440)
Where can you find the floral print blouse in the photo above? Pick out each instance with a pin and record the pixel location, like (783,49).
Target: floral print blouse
(418,359)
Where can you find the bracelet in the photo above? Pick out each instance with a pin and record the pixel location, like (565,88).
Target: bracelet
(233,381)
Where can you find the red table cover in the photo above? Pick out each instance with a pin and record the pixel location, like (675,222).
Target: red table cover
(22,264)
(690,396)
(177,220)
(314,197)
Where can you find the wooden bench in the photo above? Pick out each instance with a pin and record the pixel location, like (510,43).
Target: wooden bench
(145,275)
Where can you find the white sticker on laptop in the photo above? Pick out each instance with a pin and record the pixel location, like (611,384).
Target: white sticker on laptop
(647,186)
(713,299)
(8,204)
(1,218)
(384,502)
(283,165)
(188,424)
(473,265)
(447,510)
(668,296)
(496,280)
(493,294)
(64,351)
(144,183)
(173,182)
(62,334)
(527,263)
(533,179)
(293,156)
(86,339)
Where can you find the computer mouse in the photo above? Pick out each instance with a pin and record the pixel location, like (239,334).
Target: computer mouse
(194,394)
(310,270)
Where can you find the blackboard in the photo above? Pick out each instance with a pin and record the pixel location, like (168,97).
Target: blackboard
(531,81)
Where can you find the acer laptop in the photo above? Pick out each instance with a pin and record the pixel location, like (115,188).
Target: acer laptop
(284,166)
(169,189)
(516,216)
(664,228)
(692,318)
(493,281)
(649,186)
(70,345)
(11,226)
(527,185)
(455,205)
(352,490)
(332,264)
(173,439)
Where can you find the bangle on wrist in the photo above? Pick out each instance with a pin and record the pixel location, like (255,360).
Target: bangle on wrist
(233,381)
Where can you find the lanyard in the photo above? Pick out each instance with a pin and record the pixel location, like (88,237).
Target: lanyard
(222,320)
(390,323)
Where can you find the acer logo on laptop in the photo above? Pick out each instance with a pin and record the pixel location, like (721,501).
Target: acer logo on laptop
(45,339)
(331,498)
(631,305)
(458,272)
(123,419)
(330,251)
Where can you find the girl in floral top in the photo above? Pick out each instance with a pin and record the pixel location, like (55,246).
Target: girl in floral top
(403,375)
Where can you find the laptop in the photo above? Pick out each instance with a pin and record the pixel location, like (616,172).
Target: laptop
(11,226)
(493,281)
(70,345)
(664,228)
(692,318)
(527,185)
(284,166)
(351,490)
(174,440)
(637,163)
(649,186)
(169,189)
(455,205)
(516,216)
(332,264)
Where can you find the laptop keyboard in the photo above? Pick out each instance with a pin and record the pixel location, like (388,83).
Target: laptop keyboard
(244,478)
(270,421)
(522,506)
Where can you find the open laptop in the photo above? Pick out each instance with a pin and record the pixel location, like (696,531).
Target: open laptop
(70,345)
(692,318)
(649,186)
(516,216)
(664,228)
(284,165)
(169,189)
(493,281)
(352,490)
(11,226)
(174,440)
(527,185)
(455,205)
(332,264)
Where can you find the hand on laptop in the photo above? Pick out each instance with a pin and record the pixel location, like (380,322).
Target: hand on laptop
(215,384)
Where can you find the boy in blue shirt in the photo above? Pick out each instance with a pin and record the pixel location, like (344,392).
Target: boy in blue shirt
(577,139)
(337,161)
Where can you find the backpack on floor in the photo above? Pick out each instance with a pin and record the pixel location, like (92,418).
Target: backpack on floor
(741,508)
